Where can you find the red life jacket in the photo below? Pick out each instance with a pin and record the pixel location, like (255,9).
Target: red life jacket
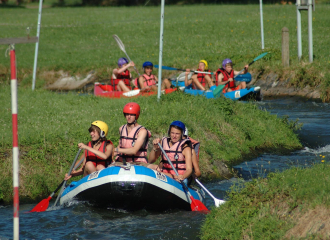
(128,141)
(174,153)
(226,76)
(201,78)
(124,76)
(94,158)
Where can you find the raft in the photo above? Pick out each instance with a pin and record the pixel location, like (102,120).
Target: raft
(98,91)
(130,187)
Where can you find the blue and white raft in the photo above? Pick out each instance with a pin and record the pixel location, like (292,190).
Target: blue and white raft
(252,92)
(130,187)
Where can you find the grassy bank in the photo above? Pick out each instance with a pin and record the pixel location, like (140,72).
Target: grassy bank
(78,40)
(51,125)
(293,204)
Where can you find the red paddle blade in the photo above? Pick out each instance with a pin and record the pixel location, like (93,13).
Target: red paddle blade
(42,206)
(197,205)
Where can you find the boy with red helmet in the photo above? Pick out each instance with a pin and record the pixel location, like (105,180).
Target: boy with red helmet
(225,75)
(133,142)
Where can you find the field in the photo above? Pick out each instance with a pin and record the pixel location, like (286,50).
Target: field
(78,40)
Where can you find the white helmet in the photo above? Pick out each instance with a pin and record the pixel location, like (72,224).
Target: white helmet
(185,132)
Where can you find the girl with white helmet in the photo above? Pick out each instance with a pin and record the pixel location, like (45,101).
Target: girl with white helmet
(178,151)
(225,76)
(121,76)
(98,152)
(200,80)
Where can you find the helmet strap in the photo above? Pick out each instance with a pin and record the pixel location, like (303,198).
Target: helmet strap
(96,142)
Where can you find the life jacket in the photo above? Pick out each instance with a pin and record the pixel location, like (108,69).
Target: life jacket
(201,78)
(94,158)
(128,141)
(174,153)
(226,76)
(124,76)
(149,81)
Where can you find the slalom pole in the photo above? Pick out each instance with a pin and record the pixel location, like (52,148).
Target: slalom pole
(15,140)
(37,47)
(161,48)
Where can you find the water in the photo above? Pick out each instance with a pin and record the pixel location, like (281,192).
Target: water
(80,221)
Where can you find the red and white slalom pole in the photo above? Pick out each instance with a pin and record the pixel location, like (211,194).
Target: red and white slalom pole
(15,140)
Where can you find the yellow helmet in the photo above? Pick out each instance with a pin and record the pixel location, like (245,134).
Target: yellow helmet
(103,126)
(206,65)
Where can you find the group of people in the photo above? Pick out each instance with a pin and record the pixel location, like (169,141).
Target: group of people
(100,152)
(121,79)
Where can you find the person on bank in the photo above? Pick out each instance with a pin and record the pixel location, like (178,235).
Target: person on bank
(177,149)
(121,76)
(199,80)
(225,75)
(98,152)
(148,81)
(133,142)
(194,156)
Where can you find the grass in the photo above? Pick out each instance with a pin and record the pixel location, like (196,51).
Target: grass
(268,208)
(50,125)
(78,39)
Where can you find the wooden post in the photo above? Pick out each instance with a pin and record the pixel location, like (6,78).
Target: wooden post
(285,47)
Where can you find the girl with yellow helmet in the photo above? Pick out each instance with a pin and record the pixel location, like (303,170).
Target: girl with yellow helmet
(200,80)
(98,152)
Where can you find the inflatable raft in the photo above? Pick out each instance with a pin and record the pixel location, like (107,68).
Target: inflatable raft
(130,187)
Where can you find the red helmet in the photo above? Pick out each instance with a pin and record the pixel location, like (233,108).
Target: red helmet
(132,108)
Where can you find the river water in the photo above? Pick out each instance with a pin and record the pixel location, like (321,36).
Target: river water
(85,222)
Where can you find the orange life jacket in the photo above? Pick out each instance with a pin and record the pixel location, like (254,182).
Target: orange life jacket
(128,141)
(174,153)
(94,158)
(201,78)
(124,76)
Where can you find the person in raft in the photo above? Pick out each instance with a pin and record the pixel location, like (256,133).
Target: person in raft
(225,76)
(121,76)
(199,80)
(147,81)
(133,142)
(194,156)
(98,152)
(178,151)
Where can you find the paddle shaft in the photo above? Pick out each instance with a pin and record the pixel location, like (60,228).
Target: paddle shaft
(122,47)
(200,184)
(257,58)
(178,69)
(69,173)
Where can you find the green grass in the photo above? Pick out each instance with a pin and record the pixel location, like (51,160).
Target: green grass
(50,125)
(79,39)
(268,208)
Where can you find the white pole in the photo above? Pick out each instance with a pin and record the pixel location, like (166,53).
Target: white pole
(262,26)
(160,63)
(299,34)
(310,31)
(37,46)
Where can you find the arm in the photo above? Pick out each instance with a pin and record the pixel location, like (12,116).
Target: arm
(76,172)
(195,164)
(186,81)
(220,79)
(141,83)
(103,155)
(187,155)
(138,144)
(246,67)
(123,69)
(155,152)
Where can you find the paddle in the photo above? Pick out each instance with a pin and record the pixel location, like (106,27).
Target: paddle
(178,69)
(195,205)
(122,47)
(63,185)
(43,205)
(217,202)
